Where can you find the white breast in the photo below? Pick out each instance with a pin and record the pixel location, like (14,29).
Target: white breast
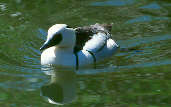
(58,58)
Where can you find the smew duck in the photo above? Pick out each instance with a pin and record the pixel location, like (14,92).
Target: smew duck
(77,47)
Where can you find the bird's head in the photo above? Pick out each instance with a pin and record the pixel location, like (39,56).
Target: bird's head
(61,36)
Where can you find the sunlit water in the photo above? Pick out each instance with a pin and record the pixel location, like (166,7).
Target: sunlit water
(137,76)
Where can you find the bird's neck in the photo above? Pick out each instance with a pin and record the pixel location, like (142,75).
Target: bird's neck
(63,49)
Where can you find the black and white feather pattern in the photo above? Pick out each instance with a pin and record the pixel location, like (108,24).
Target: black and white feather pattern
(92,38)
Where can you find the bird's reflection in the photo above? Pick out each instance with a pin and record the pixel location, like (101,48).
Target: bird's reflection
(62,87)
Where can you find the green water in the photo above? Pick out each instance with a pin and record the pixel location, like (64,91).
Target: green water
(136,78)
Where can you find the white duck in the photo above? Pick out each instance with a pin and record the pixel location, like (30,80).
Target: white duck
(75,48)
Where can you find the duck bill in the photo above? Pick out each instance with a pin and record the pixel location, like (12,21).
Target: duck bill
(46,45)
(52,41)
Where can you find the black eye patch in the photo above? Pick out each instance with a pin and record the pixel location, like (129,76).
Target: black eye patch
(56,39)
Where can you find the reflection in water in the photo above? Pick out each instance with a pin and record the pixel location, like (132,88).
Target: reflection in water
(2,6)
(61,89)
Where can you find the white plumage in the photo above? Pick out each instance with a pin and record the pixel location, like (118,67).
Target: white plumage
(60,48)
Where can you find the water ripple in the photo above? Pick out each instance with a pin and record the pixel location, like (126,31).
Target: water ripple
(145,40)
(42,34)
(113,3)
(147,64)
(151,6)
(145,19)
